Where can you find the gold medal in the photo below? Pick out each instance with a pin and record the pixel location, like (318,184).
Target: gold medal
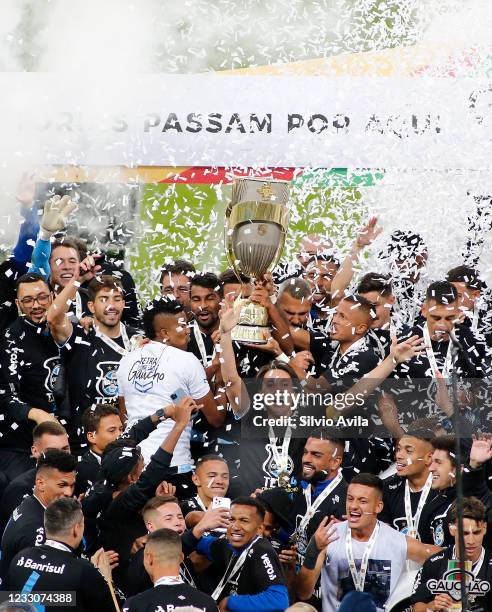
(283,480)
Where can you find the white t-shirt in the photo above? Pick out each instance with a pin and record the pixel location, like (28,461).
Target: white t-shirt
(386,563)
(146,379)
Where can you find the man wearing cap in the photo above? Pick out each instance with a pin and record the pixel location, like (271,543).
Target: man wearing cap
(128,486)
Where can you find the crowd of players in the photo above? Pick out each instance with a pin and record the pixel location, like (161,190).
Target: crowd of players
(131,470)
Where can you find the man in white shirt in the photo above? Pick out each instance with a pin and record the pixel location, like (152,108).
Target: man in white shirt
(359,554)
(160,373)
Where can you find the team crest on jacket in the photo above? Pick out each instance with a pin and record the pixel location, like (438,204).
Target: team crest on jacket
(107,384)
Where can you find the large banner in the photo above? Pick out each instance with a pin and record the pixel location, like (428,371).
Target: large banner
(207,120)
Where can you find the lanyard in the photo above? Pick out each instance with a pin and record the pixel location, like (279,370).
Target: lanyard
(112,344)
(235,570)
(312,507)
(165,580)
(200,503)
(473,316)
(413,521)
(382,352)
(282,458)
(78,306)
(58,545)
(201,346)
(477,566)
(185,575)
(432,358)
(336,355)
(359,578)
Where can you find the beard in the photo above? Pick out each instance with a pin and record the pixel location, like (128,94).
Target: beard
(316,477)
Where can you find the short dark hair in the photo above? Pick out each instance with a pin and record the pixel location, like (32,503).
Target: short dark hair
(156,502)
(297,288)
(52,428)
(81,245)
(56,460)
(361,303)
(179,266)
(276,365)
(330,435)
(210,457)
(229,276)
(442,292)
(374,281)
(68,242)
(369,480)
(61,515)
(105,281)
(473,509)
(209,280)
(447,444)
(426,435)
(166,305)
(30,277)
(93,415)
(166,541)
(467,275)
(252,503)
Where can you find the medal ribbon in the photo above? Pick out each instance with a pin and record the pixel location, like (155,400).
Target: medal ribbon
(359,578)
(235,570)
(312,507)
(413,521)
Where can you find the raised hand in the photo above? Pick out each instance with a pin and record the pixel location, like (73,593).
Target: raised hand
(302,360)
(288,556)
(228,315)
(368,234)
(326,533)
(185,408)
(481,450)
(213,518)
(89,267)
(165,488)
(266,281)
(55,214)
(271,345)
(261,296)
(407,349)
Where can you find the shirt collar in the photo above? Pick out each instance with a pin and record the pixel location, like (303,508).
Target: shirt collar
(98,457)
(318,487)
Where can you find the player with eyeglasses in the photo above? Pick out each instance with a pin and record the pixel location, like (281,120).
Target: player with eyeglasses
(29,367)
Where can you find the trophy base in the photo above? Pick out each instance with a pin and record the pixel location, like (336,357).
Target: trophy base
(249,334)
(252,326)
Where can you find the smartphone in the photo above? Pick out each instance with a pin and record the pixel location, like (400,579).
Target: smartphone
(178,395)
(221,502)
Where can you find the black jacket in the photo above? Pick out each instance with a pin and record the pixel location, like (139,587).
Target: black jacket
(60,570)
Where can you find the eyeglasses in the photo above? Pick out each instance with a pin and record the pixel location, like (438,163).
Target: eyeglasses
(42,299)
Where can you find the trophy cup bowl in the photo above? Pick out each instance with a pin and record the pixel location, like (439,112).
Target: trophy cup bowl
(256,224)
